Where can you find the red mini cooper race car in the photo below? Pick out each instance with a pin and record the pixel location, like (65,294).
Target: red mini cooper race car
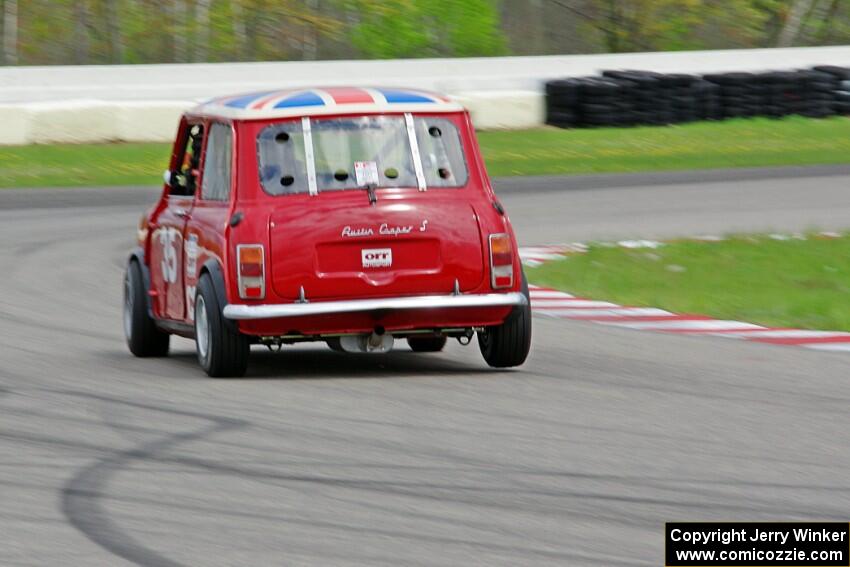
(353,216)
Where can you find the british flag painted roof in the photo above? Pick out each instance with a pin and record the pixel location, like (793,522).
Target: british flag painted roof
(326,100)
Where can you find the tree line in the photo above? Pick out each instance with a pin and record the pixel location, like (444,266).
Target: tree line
(46,32)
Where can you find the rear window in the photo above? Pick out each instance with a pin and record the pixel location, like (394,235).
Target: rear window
(349,153)
(442,156)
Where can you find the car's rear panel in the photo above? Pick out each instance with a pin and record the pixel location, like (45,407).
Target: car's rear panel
(334,245)
(341,247)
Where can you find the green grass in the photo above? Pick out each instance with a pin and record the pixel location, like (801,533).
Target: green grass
(68,165)
(788,283)
(757,142)
(703,145)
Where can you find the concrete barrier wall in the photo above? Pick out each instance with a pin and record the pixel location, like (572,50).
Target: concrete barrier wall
(501,110)
(143,102)
(154,121)
(94,121)
(14,124)
(89,121)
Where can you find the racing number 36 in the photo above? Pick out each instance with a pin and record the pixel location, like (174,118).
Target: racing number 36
(168,238)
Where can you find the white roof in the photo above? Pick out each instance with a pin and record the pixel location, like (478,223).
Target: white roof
(323,101)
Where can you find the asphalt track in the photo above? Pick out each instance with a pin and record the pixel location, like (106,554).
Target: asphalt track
(320,458)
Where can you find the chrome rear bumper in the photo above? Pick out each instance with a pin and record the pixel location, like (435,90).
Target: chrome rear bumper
(242,312)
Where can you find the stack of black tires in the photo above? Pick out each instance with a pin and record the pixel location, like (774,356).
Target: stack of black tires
(562,102)
(839,76)
(781,93)
(708,100)
(740,93)
(623,98)
(656,98)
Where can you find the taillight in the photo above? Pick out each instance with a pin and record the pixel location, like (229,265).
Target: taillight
(501,261)
(251,271)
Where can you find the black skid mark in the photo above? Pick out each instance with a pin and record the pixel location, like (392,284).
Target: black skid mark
(81,496)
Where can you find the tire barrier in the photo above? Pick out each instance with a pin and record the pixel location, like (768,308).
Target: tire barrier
(625,98)
(842,94)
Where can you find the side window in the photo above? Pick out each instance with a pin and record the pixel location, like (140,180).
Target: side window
(185,179)
(216,179)
(283,168)
(441,151)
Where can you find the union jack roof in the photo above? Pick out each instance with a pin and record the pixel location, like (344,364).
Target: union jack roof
(326,100)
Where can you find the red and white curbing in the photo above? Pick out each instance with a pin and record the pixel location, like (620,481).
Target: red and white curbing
(554,303)
(536,255)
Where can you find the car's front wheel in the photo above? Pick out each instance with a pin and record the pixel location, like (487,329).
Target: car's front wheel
(143,338)
(222,351)
(508,344)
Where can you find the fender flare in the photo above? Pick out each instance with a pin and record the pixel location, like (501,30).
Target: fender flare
(213,268)
(137,255)
(516,311)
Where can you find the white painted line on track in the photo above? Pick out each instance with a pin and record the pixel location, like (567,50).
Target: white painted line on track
(836,347)
(618,312)
(547,294)
(790,334)
(679,325)
(570,303)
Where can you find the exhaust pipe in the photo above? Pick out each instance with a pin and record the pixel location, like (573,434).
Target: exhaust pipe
(378,341)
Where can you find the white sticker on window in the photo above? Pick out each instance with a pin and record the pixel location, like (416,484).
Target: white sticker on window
(366,173)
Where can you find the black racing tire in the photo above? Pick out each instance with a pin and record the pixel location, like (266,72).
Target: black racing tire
(144,339)
(591,108)
(604,98)
(222,350)
(824,86)
(598,123)
(683,100)
(640,79)
(680,79)
(639,117)
(600,87)
(736,79)
(564,88)
(734,111)
(508,344)
(334,344)
(426,344)
(827,96)
(561,119)
(834,70)
(561,101)
(818,112)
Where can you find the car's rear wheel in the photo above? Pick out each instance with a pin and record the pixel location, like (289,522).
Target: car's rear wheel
(508,344)
(143,337)
(426,344)
(222,351)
